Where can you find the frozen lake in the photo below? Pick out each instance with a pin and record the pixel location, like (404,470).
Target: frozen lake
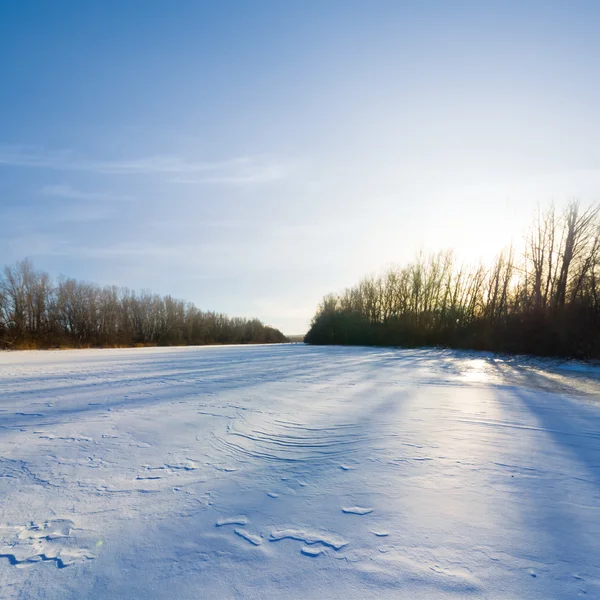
(297,472)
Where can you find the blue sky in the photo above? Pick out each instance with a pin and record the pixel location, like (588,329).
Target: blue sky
(253,156)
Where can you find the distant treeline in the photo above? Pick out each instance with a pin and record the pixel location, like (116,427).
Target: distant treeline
(36,312)
(545,302)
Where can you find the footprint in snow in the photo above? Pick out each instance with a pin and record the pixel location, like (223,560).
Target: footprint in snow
(50,541)
(309,537)
(226,469)
(313,552)
(255,540)
(356,510)
(236,520)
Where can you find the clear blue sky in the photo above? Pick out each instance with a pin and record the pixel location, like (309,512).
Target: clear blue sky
(253,156)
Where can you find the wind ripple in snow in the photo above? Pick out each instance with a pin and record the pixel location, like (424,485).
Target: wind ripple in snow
(292,442)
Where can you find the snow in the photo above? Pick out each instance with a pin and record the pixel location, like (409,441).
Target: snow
(297,472)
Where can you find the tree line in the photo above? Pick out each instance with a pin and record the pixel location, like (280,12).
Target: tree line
(36,312)
(545,301)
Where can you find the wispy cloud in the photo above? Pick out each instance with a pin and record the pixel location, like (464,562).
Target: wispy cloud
(252,172)
(128,250)
(70,193)
(239,170)
(32,244)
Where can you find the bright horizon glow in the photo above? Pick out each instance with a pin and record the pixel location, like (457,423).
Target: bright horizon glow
(253,158)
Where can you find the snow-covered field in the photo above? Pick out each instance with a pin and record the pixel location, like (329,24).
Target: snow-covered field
(297,472)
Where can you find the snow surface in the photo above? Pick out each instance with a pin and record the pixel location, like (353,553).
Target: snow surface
(297,472)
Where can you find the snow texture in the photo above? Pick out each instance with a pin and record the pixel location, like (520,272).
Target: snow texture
(298,472)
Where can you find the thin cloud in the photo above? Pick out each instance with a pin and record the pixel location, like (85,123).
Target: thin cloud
(70,193)
(240,170)
(247,174)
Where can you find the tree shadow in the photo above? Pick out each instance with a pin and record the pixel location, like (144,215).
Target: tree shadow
(559,490)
